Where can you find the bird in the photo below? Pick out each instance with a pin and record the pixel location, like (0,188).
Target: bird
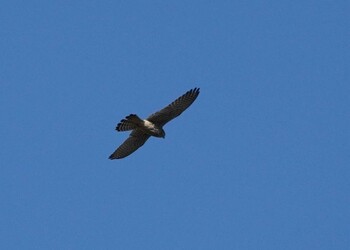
(143,129)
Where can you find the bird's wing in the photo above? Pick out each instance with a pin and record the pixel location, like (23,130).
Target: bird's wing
(135,140)
(175,108)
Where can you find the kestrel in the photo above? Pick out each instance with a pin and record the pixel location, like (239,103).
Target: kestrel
(151,126)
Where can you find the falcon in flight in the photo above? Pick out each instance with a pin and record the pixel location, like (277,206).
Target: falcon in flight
(152,126)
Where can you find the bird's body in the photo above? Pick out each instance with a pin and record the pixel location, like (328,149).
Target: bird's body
(152,125)
(134,122)
(152,129)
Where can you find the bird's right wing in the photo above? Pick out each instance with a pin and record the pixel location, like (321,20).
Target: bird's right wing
(175,108)
(136,139)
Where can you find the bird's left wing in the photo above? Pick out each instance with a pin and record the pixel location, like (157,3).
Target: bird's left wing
(175,108)
(136,139)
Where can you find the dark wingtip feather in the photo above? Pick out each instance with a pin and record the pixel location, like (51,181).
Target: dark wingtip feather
(113,157)
(194,91)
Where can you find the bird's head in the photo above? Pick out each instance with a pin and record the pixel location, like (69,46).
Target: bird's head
(159,132)
(162,133)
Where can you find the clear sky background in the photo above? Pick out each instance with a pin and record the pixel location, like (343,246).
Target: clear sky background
(260,160)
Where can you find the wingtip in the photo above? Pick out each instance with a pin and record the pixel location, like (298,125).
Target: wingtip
(114,157)
(195,91)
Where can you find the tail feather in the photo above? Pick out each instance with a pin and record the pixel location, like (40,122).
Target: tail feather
(134,119)
(125,125)
(129,123)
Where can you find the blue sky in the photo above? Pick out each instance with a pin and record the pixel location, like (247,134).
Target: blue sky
(259,161)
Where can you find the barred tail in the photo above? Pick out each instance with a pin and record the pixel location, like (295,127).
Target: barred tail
(129,123)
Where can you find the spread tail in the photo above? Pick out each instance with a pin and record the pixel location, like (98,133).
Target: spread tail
(129,123)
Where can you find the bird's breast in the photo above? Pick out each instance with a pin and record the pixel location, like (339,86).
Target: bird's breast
(151,129)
